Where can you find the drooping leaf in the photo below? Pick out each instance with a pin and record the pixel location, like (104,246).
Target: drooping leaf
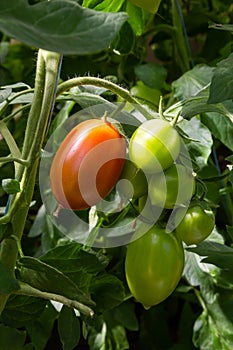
(49,279)
(215,253)
(59,25)
(222,81)
(68,328)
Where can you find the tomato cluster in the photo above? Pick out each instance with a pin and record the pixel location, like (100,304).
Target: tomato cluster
(88,165)
(155,260)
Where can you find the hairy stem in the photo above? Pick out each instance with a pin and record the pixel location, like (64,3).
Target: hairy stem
(45,85)
(123,93)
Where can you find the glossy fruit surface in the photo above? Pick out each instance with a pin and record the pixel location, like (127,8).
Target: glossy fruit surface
(87,164)
(154,146)
(154,265)
(174,186)
(133,182)
(196,225)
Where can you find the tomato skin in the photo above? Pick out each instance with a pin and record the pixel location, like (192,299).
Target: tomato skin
(154,146)
(175,186)
(136,178)
(154,265)
(196,225)
(87,164)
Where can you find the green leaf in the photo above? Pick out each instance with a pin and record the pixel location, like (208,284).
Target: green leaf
(105,5)
(192,82)
(68,328)
(8,284)
(151,6)
(49,279)
(40,329)
(10,186)
(59,25)
(152,74)
(20,310)
(215,253)
(200,149)
(4,94)
(222,82)
(107,291)
(221,126)
(197,277)
(38,225)
(213,329)
(11,339)
(75,262)
(137,18)
(124,41)
(124,314)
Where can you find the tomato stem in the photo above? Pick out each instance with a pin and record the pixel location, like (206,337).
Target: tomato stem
(116,89)
(26,289)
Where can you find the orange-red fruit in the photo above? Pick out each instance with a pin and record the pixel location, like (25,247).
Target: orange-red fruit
(87,164)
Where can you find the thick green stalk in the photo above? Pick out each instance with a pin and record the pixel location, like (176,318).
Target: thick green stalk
(45,85)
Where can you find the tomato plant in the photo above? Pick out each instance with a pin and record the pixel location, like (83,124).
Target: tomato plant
(196,225)
(175,186)
(166,79)
(87,164)
(154,146)
(154,265)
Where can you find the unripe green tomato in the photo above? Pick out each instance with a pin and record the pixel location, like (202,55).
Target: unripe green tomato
(132,182)
(154,265)
(174,186)
(196,225)
(154,146)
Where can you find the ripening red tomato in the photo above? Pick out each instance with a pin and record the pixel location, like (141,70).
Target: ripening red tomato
(87,164)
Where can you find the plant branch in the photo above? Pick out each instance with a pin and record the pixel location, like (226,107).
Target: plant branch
(26,289)
(13,159)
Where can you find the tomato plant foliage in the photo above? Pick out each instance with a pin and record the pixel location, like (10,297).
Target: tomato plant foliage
(146,261)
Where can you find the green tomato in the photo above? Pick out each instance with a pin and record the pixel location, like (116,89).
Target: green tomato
(175,186)
(133,182)
(154,146)
(154,265)
(149,5)
(196,225)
